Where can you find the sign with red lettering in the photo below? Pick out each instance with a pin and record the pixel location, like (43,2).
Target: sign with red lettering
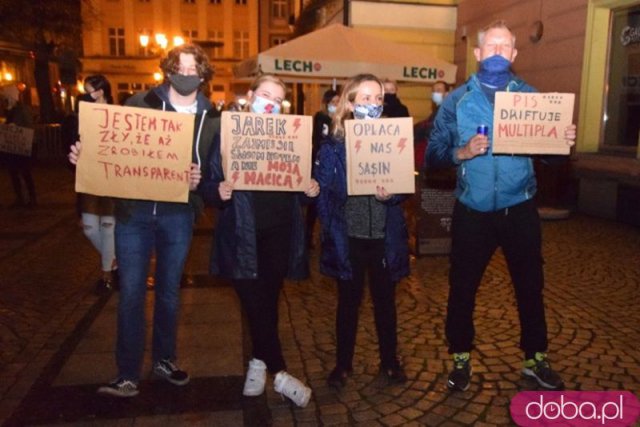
(380,154)
(16,139)
(531,123)
(266,152)
(134,153)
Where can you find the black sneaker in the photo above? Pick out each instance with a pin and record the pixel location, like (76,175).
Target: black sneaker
(338,377)
(120,388)
(167,370)
(395,375)
(460,377)
(539,369)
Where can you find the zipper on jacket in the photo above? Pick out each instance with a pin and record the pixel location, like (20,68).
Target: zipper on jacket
(155,206)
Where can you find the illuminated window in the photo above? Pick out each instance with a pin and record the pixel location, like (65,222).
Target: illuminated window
(240,44)
(116,41)
(279,9)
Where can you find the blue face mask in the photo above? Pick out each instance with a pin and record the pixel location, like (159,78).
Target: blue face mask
(262,105)
(494,71)
(367,111)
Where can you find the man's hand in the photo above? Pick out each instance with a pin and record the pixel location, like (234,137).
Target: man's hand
(194,176)
(477,146)
(570,135)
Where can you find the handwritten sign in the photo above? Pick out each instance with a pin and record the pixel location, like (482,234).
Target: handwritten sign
(531,123)
(134,153)
(16,139)
(266,152)
(380,153)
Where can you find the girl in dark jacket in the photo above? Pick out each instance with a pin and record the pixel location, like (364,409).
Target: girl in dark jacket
(259,241)
(360,235)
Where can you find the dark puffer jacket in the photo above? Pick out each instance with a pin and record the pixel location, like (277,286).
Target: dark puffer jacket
(234,253)
(331,174)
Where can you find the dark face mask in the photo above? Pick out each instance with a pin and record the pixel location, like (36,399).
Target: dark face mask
(184,85)
(390,98)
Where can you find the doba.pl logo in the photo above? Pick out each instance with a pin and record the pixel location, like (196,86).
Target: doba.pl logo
(575,408)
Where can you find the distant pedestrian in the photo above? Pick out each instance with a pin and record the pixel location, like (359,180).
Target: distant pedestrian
(19,166)
(97,212)
(259,240)
(143,226)
(361,236)
(321,126)
(422,129)
(393,107)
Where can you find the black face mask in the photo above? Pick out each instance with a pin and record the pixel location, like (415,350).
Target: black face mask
(390,98)
(184,85)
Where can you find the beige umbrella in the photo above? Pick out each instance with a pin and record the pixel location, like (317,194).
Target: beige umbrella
(339,52)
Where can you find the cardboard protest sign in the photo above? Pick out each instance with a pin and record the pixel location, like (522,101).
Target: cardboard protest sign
(531,123)
(16,139)
(266,152)
(380,153)
(134,153)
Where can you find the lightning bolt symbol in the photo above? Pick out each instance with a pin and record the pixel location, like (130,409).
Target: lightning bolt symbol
(299,180)
(358,145)
(296,125)
(402,143)
(235,176)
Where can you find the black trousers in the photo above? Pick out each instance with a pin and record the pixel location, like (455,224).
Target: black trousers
(475,238)
(259,297)
(367,256)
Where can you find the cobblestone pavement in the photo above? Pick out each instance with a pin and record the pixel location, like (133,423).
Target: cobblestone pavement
(592,297)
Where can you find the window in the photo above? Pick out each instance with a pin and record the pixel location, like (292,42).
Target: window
(240,44)
(276,40)
(116,41)
(144,1)
(190,34)
(216,36)
(279,9)
(241,2)
(621,125)
(215,1)
(189,1)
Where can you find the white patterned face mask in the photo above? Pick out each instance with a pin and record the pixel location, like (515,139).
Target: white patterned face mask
(367,111)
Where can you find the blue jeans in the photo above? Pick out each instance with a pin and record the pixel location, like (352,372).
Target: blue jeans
(170,236)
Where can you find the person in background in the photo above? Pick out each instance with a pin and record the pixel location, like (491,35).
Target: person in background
(393,107)
(259,240)
(98,213)
(321,125)
(495,207)
(422,129)
(19,166)
(361,236)
(143,226)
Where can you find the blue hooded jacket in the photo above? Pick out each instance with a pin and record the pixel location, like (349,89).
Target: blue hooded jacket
(331,173)
(486,182)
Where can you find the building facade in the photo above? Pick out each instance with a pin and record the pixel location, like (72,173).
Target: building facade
(125,39)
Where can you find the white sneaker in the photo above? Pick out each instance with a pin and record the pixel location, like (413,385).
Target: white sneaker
(292,388)
(256,378)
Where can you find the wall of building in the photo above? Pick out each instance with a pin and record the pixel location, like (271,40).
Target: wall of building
(552,64)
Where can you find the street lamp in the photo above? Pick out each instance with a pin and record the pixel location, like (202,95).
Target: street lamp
(178,41)
(161,40)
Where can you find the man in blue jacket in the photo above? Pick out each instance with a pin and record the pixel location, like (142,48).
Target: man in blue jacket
(494,208)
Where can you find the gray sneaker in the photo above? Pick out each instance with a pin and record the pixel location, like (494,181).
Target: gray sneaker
(167,370)
(120,388)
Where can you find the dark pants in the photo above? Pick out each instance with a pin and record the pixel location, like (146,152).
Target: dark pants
(367,256)
(20,170)
(135,240)
(259,297)
(475,238)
